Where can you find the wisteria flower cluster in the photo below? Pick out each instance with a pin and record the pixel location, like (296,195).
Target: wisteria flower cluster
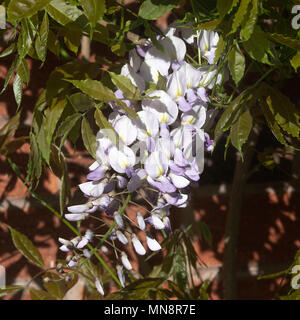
(159,154)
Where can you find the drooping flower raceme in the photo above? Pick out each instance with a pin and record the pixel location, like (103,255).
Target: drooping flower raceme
(156,155)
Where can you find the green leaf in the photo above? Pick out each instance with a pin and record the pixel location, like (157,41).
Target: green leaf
(250,21)
(229,115)
(205,232)
(210,25)
(81,102)
(8,131)
(180,269)
(295,61)
(94,89)
(72,39)
(26,247)
(40,295)
(258,46)
(9,75)
(94,10)
(88,137)
(9,50)
(236,62)
(18,9)
(55,286)
(154,9)
(239,16)
(13,145)
(203,295)
(41,40)
(34,168)
(9,289)
(25,39)
(225,6)
(126,86)
(76,69)
(109,130)
(18,89)
(284,111)
(240,130)
(177,291)
(274,127)
(62,12)
(220,49)
(66,126)
(51,117)
(23,70)
(287,41)
(53,43)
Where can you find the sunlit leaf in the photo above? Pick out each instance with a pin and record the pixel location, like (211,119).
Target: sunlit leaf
(26,247)
(154,9)
(295,61)
(18,9)
(225,6)
(9,50)
(18,89)
(51,117)
(258,46)
(94,9)
(241,129)
(250,21)
(236,62)
(42,39)
(126,86)
(23,70)
(88,137)
(239,16)
(94,89)
(62,12)
(287,41)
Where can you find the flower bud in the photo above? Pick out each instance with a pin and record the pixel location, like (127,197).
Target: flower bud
(87,253)
(138,247)
(152,243)
(99,286)
(140,221)
(125,261)
(80,208)
(76,216)
(121,237)
(121,275)
(119,220)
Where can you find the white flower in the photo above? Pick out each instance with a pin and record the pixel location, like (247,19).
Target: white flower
(157,222)
(207,42)
(121,160)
